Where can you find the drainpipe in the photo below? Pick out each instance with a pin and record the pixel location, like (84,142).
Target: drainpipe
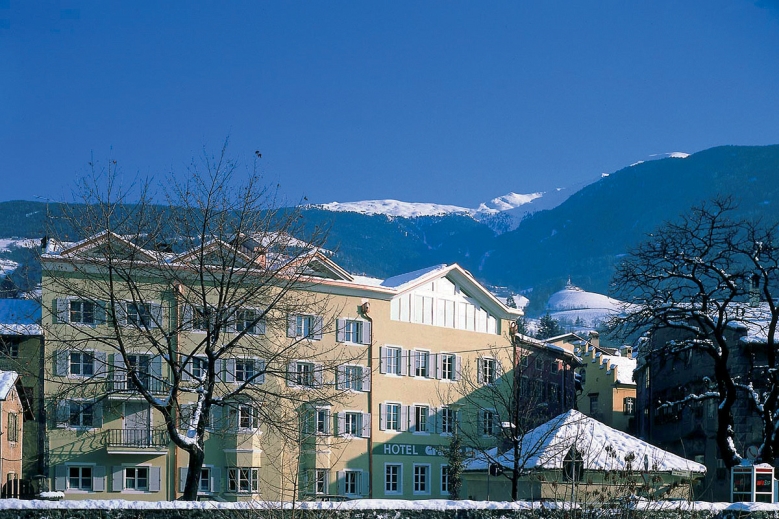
(173,460)
(365,309)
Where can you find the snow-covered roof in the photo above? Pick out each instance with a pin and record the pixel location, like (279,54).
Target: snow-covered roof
(402,281)
(7,381)
(546,447)
(20,317)
(625,367)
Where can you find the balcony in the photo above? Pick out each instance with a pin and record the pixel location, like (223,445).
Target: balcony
(136,441)
(153,385)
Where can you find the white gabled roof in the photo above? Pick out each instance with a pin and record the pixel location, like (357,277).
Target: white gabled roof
(600,446)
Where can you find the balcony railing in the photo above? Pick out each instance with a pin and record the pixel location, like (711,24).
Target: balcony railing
(154,385)
(137,438)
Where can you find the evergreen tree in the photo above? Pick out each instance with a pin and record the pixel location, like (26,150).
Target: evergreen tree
(548,327)
(510,302)
(522,326)
(455,464)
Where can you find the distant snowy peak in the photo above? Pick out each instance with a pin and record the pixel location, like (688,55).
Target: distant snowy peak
(415,209)
(658,156)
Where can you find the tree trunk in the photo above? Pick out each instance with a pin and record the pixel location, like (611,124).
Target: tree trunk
(195,466)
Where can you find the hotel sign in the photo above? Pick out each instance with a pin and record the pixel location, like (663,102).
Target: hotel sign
(408,449)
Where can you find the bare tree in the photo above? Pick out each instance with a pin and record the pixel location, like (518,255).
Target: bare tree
(206,306)
(689,286)
(503,399)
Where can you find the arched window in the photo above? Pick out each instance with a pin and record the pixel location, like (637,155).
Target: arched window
(573,465)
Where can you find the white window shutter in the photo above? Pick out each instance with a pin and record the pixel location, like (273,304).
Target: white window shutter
(318,327)
(229,374)
(183,471)
(414,363)
(339,330)
(216,479)
(366,333)
(155,369)
(60,478)
(458,367)
(100,313)
(319,371)
(341,424)
(439,365)
(498,370)
(292,368)
(120,373)
(366,425)
(479,372)
(291,325)
(100,364)
(404,418)
(340,375)
(187,313)
(157,315)
(117,483)
(62,413)
(186,368)
(61,310)
(431,419)
(98,478)
(259,328)
(382,417)
(259,367)
(97,414)
(366,378)
(404,362)
(120,313)
(62,362)
(341,482)
(365,483)
(154,479)
(382,359)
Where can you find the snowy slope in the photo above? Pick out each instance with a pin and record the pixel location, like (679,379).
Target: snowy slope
(573,304)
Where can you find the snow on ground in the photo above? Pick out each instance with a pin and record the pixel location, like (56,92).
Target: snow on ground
(20,317)
(7,244)
(572,304)
(7,266)
(368,504)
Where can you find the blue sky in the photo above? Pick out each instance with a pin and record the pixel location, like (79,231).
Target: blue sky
(447,102)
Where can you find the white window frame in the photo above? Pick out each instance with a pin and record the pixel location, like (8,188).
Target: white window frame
(321,481)
(143,318)
(80,314)
(394,358)
(353,331)
(136,478)
(81,477)
(248,413)
(352,482)
(353,418)
(204,471)
(304,374)
(84,355)
(421,411)
(322,421)
(488,370)
(398,476)
(237,475)
(421,474)
(82,406)
(353,377)
(448,420)
(394,424)
(446,483)
(420,366)
(244,320)
(448,366)
(487,425)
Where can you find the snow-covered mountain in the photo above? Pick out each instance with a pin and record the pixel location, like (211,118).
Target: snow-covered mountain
(573,306)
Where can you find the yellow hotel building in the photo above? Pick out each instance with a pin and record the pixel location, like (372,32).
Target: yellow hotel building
(407,341)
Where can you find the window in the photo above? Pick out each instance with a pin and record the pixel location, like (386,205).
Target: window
(448,366)
(9,347)
(553,393)
(322,421)
(81,414)
(420,418)
(13,427)
(524,361)
(201,318)
(141,364)
(82,364)
(421,479)
(448,420)
(392,357)
(136,478)
(304,325)
(352,425)
(244,370)
(243,480)
(353,331)
(80,478)
(246,320)
(629,405)
(392,417)
(392,478)
(573,465)
(198,367)
(446,481)
(593,404)
(304,374)
(352,480)
(539,364)
(321,481)
(82,312)
(352,378)
(248,417)
(554,366)
(488,421)
(421,364)
(488,371)
(204,485)
(139,314)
